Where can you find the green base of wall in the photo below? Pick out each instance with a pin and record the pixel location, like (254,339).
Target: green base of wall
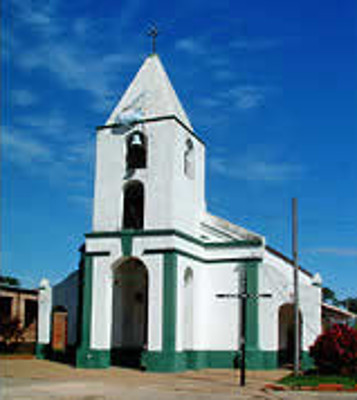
(306,361)
(261,360)
(193,360)
(86,358)
(157,361)
(42,351)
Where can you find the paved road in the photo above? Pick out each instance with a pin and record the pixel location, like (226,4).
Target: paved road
(39,380)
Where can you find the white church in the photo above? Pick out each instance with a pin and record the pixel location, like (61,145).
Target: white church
(145,292)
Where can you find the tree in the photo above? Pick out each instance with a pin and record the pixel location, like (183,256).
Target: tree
(329,295)
(350,303)
(9,280)
(11,331)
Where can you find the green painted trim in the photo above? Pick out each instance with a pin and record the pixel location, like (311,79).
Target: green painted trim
(307,362)
(180,234)
(42,351)
(160,361)
(169,303)
(196,258)
(252,330)
(163,361)
(85,356)
(261,360)
(127,243)
(88,358)
(87,301)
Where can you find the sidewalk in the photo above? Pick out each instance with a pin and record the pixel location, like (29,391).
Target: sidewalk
(37,379)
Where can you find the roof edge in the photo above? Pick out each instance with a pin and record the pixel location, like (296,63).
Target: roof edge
(153,119)
(288,260)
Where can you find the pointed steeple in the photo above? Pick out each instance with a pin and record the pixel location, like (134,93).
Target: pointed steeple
(149,95)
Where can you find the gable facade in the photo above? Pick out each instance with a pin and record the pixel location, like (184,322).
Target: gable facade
(146,290)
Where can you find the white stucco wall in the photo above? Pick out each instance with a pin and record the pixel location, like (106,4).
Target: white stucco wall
(215,321)
(102,295)
(44,312)
(276,277)
(171,199)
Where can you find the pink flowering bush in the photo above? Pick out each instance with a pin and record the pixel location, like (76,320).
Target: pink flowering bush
(335,351)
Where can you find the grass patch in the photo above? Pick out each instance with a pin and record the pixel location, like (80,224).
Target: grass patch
(314,379)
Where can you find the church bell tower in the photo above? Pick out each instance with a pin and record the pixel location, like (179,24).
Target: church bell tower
(149,163)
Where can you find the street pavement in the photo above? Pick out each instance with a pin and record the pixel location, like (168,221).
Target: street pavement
(39,380)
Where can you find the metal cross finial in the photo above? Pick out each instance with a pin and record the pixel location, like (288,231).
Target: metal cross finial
(153,33)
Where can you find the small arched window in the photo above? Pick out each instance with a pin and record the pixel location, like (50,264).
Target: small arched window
(189,165)
(188,276)
(133,205)
(136,150)
(188,309)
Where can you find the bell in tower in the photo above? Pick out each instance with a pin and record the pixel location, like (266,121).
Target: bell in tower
(136,151)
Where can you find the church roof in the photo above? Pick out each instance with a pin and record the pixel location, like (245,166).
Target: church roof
(220,229)
(150,95)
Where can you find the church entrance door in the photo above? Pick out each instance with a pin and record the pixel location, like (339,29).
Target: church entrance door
(130,313)
(287,334)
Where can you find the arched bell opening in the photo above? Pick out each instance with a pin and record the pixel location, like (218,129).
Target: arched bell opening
(130,313)
(133,217)
(136,154)
(287,334)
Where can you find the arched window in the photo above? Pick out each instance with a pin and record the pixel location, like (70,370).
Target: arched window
(136,150)
(287,333)
(189,165)
(133,205)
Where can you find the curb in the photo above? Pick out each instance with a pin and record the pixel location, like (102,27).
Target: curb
(322,387)
(17,357)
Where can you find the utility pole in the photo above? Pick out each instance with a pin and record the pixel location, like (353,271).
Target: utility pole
(243,324)
(296,291)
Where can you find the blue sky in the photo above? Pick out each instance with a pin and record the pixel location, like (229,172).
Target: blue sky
(269,85)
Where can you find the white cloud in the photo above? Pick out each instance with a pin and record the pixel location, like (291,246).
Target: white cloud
(81,153)
(50,124)
(254,168)
(224,75)
(255,44)
(192,46)
(83,201)
(23,98)
(24,150)
(209,102)
(36,156)
(81,27)
(336,251)
(67,58)
(248,97)
(38,16)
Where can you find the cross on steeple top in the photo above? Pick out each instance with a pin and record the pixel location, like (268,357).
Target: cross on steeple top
(152,32)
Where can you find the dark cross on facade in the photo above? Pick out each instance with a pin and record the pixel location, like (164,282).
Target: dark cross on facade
(243,296)
(153,34)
